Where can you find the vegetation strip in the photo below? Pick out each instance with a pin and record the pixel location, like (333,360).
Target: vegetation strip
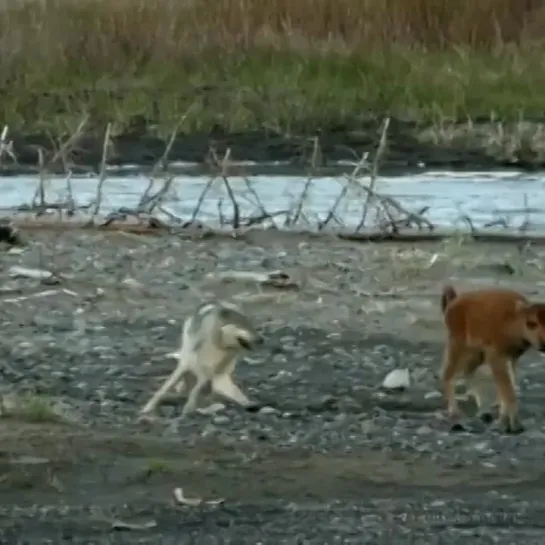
(465,74)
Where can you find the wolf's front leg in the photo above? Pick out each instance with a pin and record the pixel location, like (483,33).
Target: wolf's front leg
(223,384)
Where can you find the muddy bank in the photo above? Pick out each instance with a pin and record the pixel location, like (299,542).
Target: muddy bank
(330,457)
(105,489)
(411,147)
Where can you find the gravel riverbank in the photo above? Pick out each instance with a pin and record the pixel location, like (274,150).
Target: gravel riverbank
(332,459)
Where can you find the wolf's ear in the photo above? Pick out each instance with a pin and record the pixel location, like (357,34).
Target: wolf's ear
(231,313)
(225,314)
(521,306)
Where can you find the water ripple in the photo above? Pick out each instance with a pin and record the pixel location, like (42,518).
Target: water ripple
(483,196)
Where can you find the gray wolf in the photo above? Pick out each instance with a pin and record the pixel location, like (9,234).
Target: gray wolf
(212,340)
(494,327)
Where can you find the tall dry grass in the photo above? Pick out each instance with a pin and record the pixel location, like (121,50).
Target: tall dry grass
(283,64)
(121,36)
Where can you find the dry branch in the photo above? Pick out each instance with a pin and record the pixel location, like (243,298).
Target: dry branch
(118,524)
(24,272)
(6,147)
(193,502)
(39,294)
(102,173)
(38,202)
(275,279)
(40,190)
(394,221)
(370,235)
(374,170)
(223,166)
(70,142)
(148,202)
(316,154)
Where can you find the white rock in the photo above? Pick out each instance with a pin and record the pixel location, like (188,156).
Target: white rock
(9,403)
(368,426)
(423,430)
(132,283)
(268,410)
(211,409)
(15,251)
(24,272)
(397,379)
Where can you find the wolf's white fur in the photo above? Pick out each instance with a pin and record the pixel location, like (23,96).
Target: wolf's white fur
(210,346)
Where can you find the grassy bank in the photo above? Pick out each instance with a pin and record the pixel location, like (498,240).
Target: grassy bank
(280,64)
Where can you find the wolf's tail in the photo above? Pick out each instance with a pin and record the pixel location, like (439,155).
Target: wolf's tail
(448,295)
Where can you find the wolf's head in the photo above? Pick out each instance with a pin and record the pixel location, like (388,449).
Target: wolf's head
(237,330)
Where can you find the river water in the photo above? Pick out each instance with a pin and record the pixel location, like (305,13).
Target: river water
(508,197)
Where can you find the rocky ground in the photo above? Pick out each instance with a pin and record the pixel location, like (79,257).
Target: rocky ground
(332,458)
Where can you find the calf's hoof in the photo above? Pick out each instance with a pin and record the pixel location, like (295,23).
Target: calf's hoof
(511,426)
(457,427)
(486,417)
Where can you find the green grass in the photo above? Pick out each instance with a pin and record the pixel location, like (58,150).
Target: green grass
(159,465)
(285,92)
(30,408)
(279,65)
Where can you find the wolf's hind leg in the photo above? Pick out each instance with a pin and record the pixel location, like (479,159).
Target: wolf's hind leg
(194,394)
(171,381)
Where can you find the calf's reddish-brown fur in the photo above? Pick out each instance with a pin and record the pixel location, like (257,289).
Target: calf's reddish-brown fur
(493,327)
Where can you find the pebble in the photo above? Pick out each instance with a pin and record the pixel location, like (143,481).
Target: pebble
(424,430)
(211,409)
(268,410)
(368,426)
(397,379)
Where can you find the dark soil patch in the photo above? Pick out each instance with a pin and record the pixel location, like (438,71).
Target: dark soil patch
(104,468)
(406,151)
(84,486)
